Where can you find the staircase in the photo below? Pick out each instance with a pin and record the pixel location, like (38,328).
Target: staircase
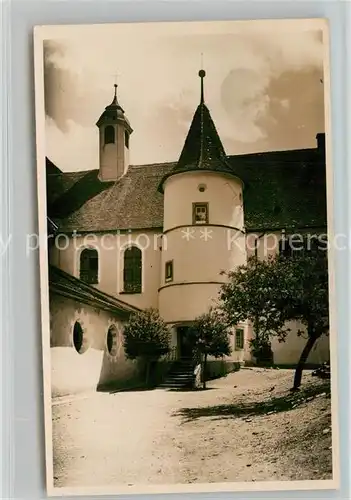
(181,375)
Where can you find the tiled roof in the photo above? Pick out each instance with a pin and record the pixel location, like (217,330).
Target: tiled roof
(283,189)
(71,287)
(72,190)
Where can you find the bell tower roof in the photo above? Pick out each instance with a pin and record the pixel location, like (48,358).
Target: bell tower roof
(114,113)
(203,149)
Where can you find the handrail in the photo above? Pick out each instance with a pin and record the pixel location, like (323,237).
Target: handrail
(172,354)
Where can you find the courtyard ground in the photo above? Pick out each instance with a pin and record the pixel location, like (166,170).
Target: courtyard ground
(245,427)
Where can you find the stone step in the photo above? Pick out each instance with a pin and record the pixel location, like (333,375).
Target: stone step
(181,375)
(174,386)
(175,380)
(173,383)
(189,373)
(183,366)
(178,379)
(182,369)
(184,361)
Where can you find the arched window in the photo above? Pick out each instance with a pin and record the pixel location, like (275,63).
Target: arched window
(80,340)
(109,134)
(132,270)
(89,266)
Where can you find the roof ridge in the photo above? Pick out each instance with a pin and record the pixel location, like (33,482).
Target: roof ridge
(173,162)
(276,151)
(162,164)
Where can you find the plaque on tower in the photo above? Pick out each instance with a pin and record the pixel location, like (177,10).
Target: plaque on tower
(187,338)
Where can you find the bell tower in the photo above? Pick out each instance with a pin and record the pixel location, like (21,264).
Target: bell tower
(114,134)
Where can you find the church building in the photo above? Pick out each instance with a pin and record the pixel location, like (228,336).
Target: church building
(124,237)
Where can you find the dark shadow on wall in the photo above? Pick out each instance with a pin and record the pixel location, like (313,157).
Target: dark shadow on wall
(136,381)
(118,374)
(133,379)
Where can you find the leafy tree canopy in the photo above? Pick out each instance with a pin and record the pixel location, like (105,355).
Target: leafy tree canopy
(271,292)
(209,334)
(146,335)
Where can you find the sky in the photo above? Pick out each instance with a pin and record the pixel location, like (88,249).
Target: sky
(263,86)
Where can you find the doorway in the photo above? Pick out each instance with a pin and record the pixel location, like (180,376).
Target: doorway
(185,347)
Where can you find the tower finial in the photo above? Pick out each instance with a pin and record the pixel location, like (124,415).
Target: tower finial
(202,74)
(115,76)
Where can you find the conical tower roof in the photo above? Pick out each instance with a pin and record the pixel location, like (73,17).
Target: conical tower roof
(203,149)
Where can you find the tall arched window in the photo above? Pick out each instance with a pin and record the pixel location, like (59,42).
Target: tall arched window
(132,270)
(109,134)
(89,266)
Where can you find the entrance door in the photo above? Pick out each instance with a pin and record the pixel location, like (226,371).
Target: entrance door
(185,346)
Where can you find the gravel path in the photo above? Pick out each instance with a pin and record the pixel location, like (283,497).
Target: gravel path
(123,438)
(246,427)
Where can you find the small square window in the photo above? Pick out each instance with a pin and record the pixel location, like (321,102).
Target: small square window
(239,339)
(200,213)
(169,271)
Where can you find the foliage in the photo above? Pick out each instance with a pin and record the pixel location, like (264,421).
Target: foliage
(261,350)
(146,336)
(209,336)
(279,289)
(271,292)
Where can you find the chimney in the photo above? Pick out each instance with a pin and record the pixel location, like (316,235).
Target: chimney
(321,142)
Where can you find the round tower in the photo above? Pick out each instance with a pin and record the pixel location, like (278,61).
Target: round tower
(203,223)
(114,133)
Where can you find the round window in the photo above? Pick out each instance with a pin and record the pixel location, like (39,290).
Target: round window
(80,341)
(202,188)
(111,340)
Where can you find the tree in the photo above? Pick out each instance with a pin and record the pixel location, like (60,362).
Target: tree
(209,336)
(271,292)
(147,337)
(261,349)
